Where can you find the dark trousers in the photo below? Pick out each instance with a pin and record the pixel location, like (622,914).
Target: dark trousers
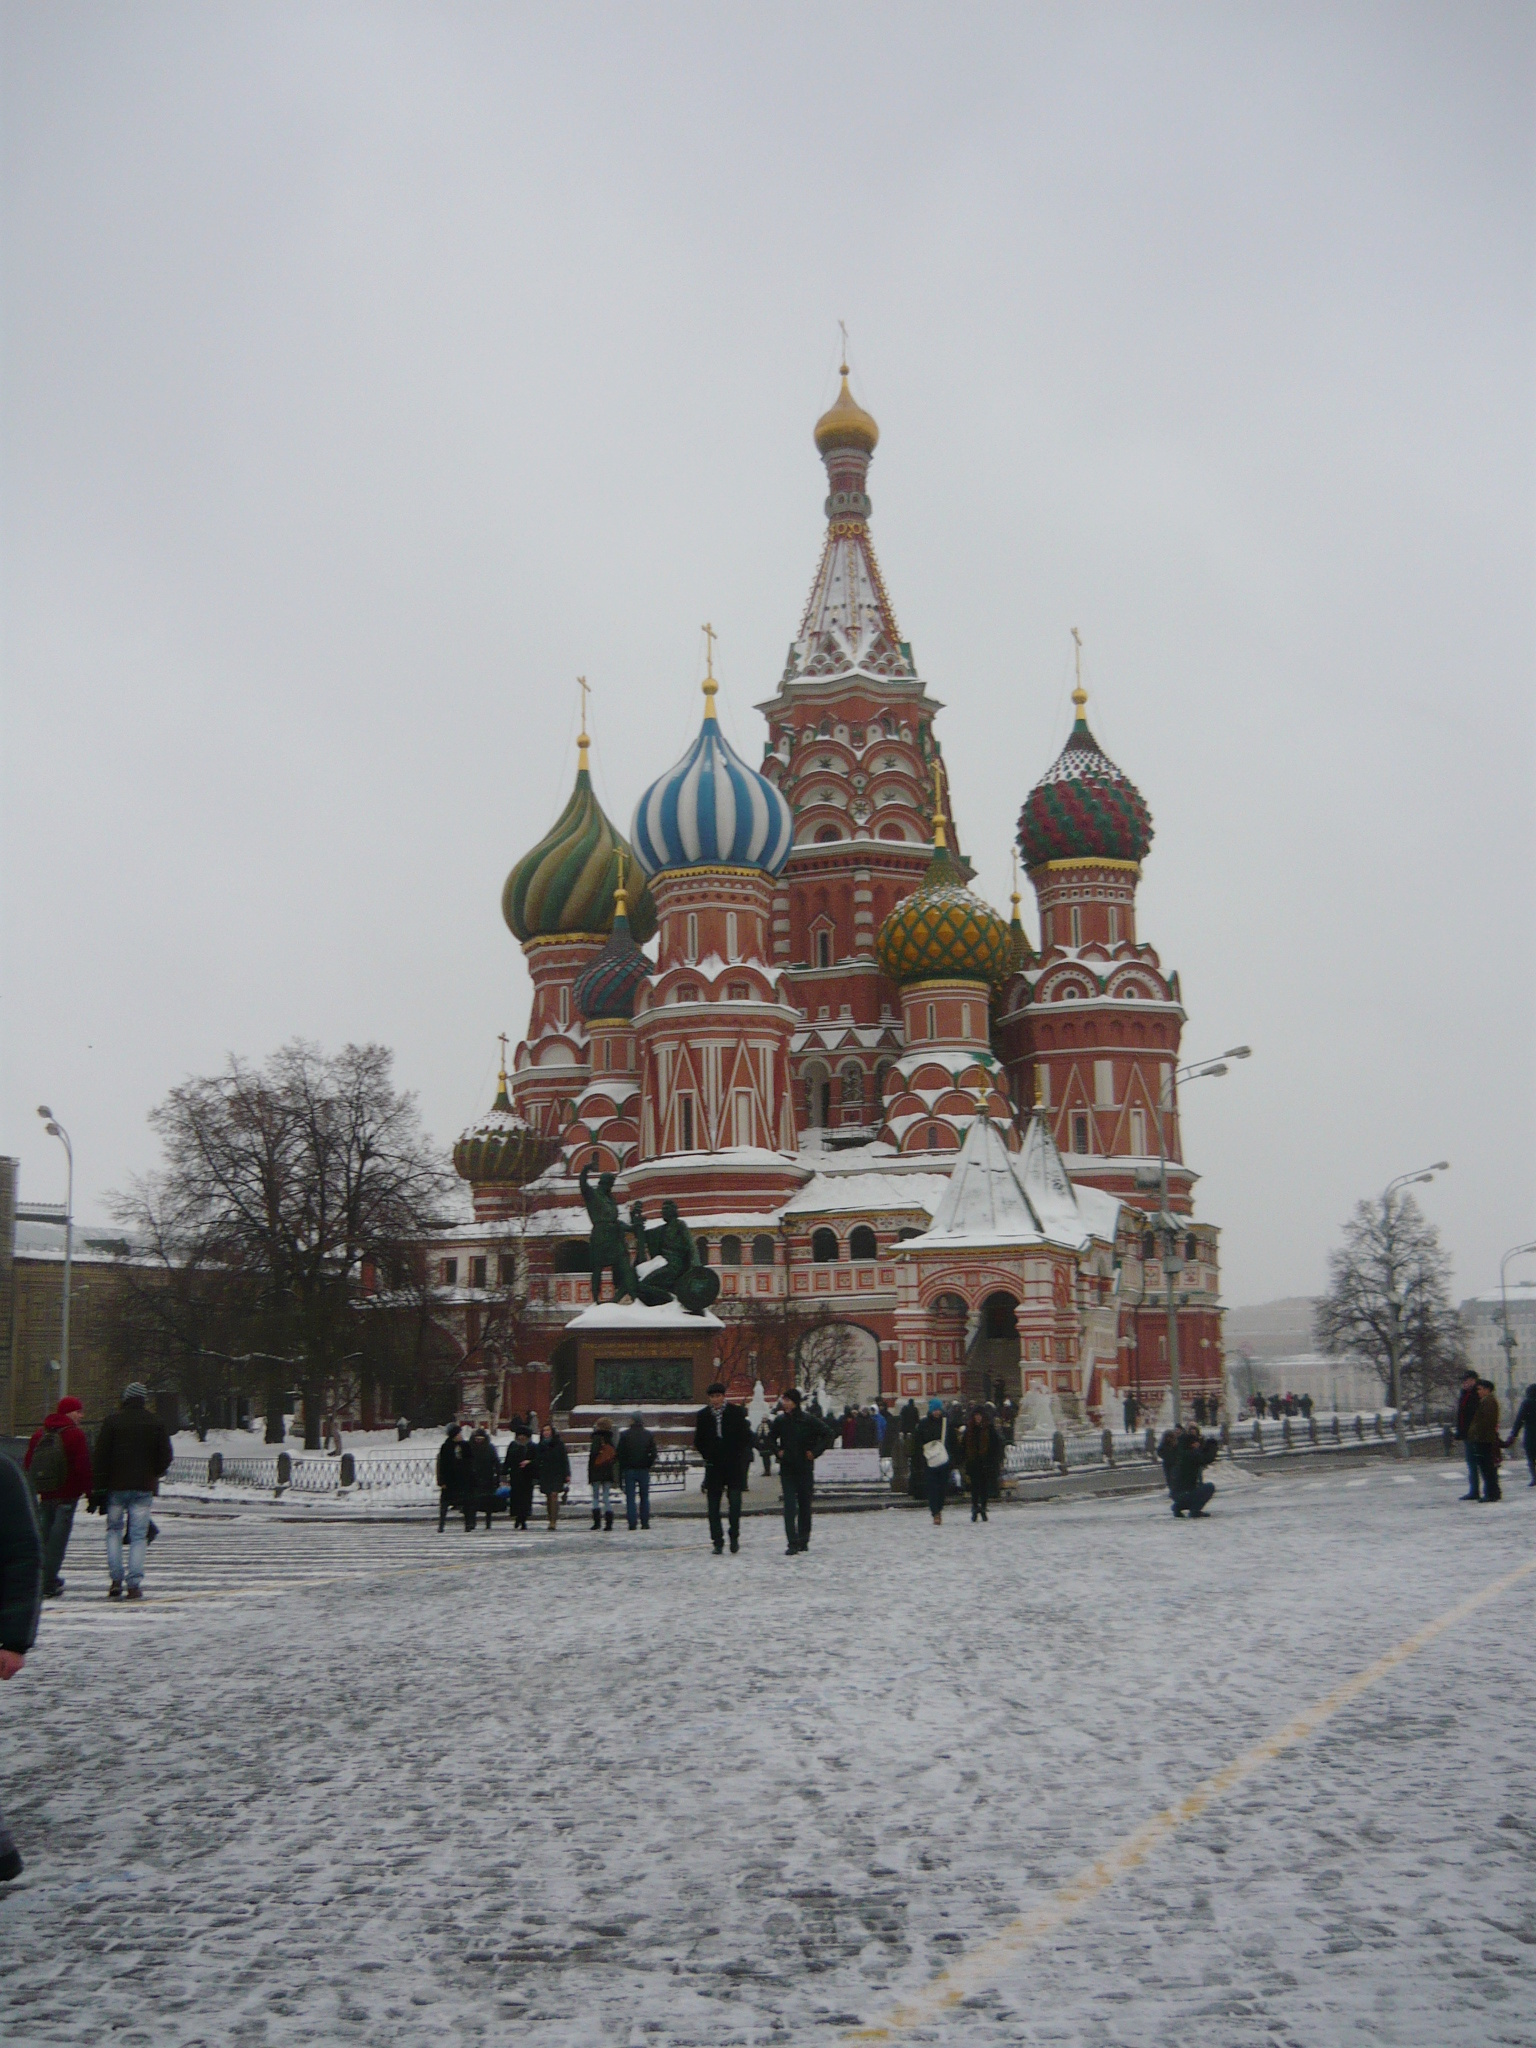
(1473,1470)
(479,1504)
(713,1489)
(979,1477)
(1488,1465)
(938,1479)
(55,1519)
(447,1501)
(799,1484)
(1193,1502)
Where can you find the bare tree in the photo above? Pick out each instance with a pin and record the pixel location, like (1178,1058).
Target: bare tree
(277,1185)
(1391,1265)
(786,1343)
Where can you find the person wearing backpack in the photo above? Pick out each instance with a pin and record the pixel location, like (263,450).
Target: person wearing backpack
(58,1461)
(133,1454)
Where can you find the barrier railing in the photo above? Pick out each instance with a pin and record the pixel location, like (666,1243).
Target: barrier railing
(403,1480)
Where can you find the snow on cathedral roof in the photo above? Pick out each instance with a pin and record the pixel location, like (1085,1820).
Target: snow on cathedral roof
(995,1198)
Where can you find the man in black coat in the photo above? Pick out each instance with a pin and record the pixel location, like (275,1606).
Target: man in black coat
(522,1470)
(799,1438)
(1466,1408)
(450,1475)
(1190,1488)
(132,1455)
(722,1436)
(21,1600)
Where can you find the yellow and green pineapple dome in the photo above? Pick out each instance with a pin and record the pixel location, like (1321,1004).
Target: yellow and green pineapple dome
(942,932)
(565,885)
(503,1147)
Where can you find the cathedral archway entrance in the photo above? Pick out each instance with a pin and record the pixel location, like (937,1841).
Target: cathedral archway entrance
(992,1362)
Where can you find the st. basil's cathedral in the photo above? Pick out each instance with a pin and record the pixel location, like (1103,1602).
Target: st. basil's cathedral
(869,1095)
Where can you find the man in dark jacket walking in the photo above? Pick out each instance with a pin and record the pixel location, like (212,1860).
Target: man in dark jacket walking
(722,1436)
(450,1475)
(1466,1408)
(59,1460)
(522,1470)
(484,1469)
(1483,1440)
(554,1472)
(1525,1420)
(637,1454)
(21,1596)
(133,1454)
(799,1438)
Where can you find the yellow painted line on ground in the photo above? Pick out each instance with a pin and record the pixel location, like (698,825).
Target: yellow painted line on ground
(986,1962)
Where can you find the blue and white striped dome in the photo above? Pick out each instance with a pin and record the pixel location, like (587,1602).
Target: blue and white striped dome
(712,810)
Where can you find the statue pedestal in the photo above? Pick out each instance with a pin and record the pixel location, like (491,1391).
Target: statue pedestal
(634,1357)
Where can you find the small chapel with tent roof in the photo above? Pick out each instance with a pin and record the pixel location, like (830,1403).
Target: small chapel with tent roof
(780,1004)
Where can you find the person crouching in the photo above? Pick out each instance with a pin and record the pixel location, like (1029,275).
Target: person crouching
(1190,1488)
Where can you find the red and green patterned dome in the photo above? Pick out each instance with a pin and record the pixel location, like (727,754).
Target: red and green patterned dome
(1083,808)
(942,932)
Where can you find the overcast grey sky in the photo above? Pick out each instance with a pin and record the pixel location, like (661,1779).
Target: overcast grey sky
(371,370)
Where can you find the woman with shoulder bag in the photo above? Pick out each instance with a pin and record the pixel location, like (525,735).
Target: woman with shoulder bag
(602,1470)
(932,1452)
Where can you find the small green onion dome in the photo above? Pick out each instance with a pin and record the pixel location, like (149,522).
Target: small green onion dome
(942,932)
(1083,808)
(566,884)
(503,1147)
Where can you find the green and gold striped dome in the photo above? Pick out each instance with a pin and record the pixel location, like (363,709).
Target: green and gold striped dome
(566,884)
(942,932)
(503,1148)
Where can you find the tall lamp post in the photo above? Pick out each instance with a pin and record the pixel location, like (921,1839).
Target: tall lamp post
(57,1130)
(1394,1289)
(1198,1070)
(1509,1340)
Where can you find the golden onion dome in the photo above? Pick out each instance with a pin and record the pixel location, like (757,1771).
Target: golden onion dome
(943,932)
(846,424)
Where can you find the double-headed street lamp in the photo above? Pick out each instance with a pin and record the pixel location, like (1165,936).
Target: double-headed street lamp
(57,1130)
(1198,1070)
(1394,1291)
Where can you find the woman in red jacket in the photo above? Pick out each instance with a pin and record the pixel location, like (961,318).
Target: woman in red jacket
(59,1460)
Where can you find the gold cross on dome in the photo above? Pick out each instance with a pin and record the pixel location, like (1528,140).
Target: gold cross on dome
(503,1038)
(582,741)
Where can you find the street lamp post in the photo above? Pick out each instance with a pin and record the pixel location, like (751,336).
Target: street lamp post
(1509,1340)
(1196,1071)
(1394,1291)
(57,1130)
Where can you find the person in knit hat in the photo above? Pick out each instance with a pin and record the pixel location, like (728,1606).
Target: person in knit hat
(58,1460)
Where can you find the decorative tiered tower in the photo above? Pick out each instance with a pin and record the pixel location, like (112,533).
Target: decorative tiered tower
(946,949)
(1090,1031)
(851,745)
(558,901)
(606,1129)
(712,1025)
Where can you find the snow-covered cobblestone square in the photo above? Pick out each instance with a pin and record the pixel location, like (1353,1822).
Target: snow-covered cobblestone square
(365,1783)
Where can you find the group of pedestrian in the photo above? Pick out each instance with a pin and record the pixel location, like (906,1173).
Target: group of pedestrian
(1275,1405)
(475,1481)
(118,1478)
(949,1449)
(1477,1431)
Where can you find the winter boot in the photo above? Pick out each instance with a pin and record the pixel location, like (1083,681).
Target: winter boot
(608,1519)
(597,1520)
(135,1592)
(115,1590)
